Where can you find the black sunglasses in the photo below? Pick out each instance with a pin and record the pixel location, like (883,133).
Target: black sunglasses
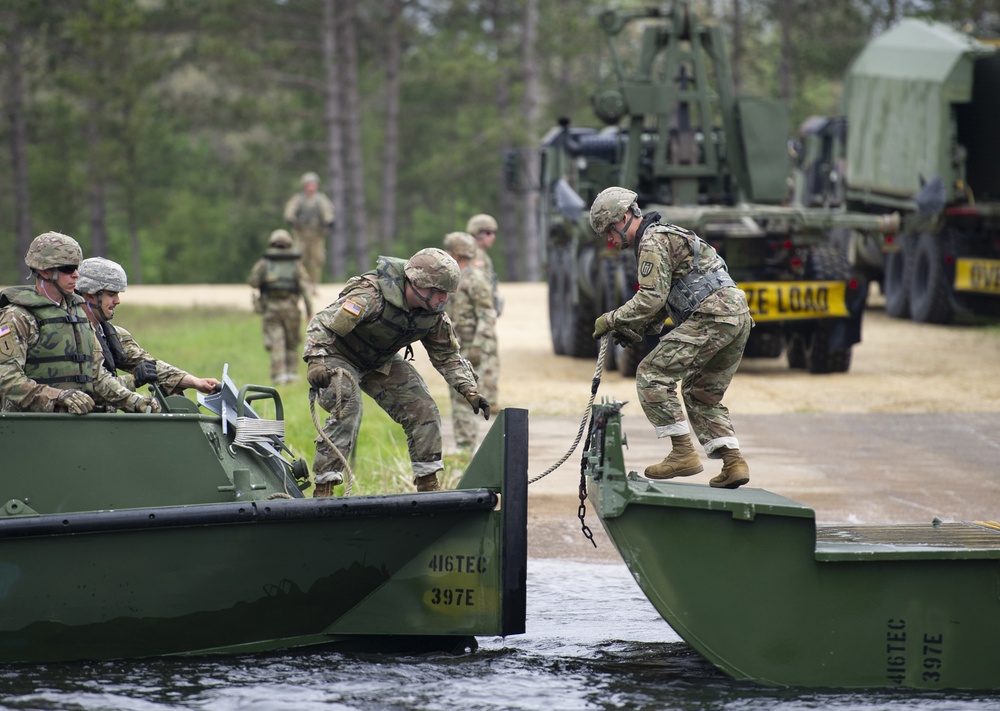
(68,268)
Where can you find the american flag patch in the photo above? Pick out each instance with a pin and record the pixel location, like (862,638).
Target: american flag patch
(4,330)
(352,307)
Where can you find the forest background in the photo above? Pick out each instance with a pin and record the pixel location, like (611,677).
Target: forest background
(168,134)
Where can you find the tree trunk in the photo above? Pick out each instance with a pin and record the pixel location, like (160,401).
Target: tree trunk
(532,116)
(337,259)
(352,136)
(95,186)
(390,151)
(786,16)
(507,217)
(14,99)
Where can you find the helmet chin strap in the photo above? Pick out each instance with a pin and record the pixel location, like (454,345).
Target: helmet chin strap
(55,282)
(625,244)
(102,317)
(426,300)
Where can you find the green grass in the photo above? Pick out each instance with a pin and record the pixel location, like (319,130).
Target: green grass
(202,341)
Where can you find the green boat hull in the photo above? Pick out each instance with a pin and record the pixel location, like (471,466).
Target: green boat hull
(160,538)
(748,579)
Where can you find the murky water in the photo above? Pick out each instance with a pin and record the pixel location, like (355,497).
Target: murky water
(593,642)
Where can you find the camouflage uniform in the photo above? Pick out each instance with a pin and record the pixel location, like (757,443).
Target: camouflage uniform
(33,328)
(472,312)
(311,217)
(361,333)
(282,281)
(703,350)
(489,365)
(122,352)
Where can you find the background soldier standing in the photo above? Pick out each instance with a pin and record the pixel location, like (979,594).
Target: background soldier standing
(310,214)
(474,318)
(50,359)
(100,283)
(484,229)
(282,281)
(681,276)
(353,346)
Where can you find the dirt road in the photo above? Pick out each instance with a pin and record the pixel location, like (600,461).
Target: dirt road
(911,432)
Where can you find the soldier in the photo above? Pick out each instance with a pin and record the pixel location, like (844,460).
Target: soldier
(484,229)
(474,318)
(50,359)
(310,214)
(683,277)
(100,283)
(281,281)
(353,346)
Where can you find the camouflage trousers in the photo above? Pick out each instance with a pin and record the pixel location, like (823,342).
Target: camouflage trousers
(311,242)
(703,353)
(400,391)
(283,338)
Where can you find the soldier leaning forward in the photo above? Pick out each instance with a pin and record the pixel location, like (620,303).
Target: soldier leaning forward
(683,277)
(50,359)
(353,345)
(281,281)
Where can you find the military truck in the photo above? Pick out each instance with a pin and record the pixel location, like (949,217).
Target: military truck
(920,104)
(710,161)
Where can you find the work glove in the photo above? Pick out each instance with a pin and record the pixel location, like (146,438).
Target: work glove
(625,336)
(318,374)
(144,373)
(478,403)
(76,402)
(142,403)
(601,326)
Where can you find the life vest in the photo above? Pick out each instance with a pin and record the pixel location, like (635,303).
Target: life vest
(62,356)
(372,343)
(281,271)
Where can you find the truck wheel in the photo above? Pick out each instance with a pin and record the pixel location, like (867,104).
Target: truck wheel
(795,351)
(930,282)
(823,359)
(559,296)
(896,285)
(581,315)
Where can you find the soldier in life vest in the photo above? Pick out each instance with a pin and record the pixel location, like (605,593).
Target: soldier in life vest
(281,281)
(683,277)
(352,346)
(474,318)
(50,359)
(310,215)
(100,283)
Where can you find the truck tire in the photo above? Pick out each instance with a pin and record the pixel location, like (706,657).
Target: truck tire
(559,296)
(795,350)
(821,355)
(896,284)
(582,314)
(930,281)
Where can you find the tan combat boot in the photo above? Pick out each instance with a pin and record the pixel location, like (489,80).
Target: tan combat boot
(735,472)
(428,482)
(325,482)
(682,460)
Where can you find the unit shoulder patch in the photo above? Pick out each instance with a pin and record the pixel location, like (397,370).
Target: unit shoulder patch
(649,269)
(8,340)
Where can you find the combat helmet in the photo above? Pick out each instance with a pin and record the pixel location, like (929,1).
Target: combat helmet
(280,239)
(433,268)
(481,222)
(99,274)
(52,249)
(610,206)
(460,244)
(310,177)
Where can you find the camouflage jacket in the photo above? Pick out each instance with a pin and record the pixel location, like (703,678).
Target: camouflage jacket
(130,355)
(666,255)
(472,312)
(483,261)
(279,281)
(310,211)
(371,315)
(20,337)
